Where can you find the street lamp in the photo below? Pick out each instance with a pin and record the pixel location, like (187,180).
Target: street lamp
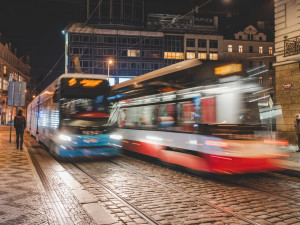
(109,63)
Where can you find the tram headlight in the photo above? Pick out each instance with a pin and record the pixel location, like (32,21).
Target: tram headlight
(116,137)
(65,137)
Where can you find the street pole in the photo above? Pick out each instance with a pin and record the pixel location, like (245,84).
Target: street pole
(108,73)
(11,112)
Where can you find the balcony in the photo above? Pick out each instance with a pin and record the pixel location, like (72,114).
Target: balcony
(292,48)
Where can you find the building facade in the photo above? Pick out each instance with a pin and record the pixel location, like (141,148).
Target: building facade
(287,52)
(12,68)
(251,48)
(136,51)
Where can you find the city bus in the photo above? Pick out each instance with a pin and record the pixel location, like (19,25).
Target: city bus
(70,117)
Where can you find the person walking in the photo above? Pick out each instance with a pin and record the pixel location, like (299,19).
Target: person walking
(19,124)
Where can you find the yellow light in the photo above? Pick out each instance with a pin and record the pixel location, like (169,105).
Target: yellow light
(90,83)
(72,81)
(33,96)
(228,69)
(110,61)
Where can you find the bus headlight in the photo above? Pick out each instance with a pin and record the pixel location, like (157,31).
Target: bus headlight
(116,137)
(65,137)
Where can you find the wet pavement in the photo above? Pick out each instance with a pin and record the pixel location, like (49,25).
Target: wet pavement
(34,191)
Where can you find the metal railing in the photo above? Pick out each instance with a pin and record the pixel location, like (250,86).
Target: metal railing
(292,46)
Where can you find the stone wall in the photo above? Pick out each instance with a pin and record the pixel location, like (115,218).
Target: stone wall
(289,99)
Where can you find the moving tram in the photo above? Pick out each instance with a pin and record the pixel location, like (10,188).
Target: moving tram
(71,117)
(188,115)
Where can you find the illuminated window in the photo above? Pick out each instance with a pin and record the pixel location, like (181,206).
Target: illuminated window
(190,55)
(240,48)
(260,80)
(202,55)
(4,69)
(271,50)
(213,56)
(112,81)
(174,55)
(133,53)
(260,50)
(5,85)
(0,83)
(270,81)
(229,48)
(123,79)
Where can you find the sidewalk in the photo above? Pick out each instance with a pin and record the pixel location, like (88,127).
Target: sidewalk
(26,198)
(37,190)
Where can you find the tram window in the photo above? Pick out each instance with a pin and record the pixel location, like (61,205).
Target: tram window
(144,116)
(166,115)
(189,113)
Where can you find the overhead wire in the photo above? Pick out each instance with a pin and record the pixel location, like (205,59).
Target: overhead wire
(100,1)
(133,45)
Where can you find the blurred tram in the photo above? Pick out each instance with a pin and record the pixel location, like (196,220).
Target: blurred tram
(184,114)
(71,117)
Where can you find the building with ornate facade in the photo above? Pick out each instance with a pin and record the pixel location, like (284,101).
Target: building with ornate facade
(287,52)
(12,68)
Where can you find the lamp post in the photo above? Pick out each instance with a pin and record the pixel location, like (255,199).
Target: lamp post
(109,63)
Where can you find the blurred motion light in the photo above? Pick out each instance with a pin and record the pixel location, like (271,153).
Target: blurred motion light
(116,137)
(65,137)
(228,69)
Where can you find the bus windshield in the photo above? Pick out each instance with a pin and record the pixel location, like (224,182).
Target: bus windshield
(84,112)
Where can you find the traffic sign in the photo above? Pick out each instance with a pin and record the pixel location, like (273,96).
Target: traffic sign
(16,93)
(270,102)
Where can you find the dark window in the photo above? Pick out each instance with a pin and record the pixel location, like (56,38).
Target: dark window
(201,43)
(270,65)
(240,37)
(213,44)
(251,49)
(190,42)
(250,64)
(260,38)
(174,43)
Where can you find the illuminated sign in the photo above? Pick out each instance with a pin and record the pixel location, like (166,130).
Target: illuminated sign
(201,20)
(228,69)
(72,81)
(90,83)
(85,82)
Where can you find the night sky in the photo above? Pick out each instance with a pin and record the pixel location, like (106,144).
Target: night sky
(34,26)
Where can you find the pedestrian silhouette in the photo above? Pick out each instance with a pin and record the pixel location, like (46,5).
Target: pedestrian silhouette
(19,124)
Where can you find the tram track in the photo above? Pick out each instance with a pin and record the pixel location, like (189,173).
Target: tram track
(120,198)
(197,200)
(227,180)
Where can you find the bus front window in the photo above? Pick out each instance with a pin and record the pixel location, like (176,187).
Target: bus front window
(84,112)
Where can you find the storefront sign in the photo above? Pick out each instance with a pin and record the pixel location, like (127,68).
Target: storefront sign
(203,20)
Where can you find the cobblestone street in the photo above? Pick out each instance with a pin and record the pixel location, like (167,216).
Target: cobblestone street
(36,189)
